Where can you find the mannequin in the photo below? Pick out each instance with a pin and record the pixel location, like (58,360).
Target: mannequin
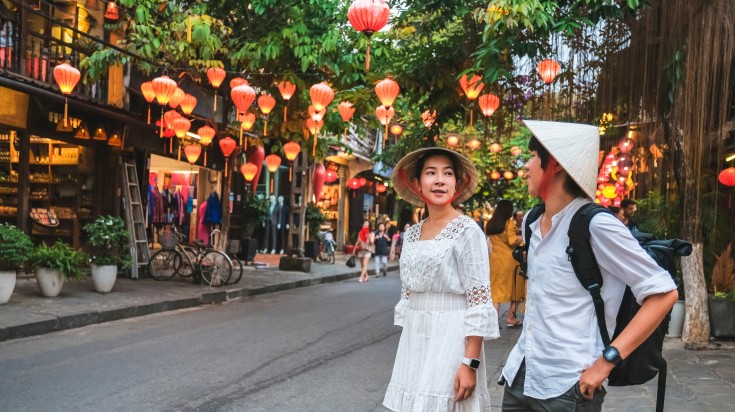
(270,226)
(282,225)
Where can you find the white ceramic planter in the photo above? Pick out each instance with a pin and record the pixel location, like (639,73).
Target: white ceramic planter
(49,281)
(676,325)
(104,277)
(7,285)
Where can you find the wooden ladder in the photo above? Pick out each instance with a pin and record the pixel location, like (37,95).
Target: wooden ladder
(135,218)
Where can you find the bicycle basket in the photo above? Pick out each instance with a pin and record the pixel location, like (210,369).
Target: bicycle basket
(168,240)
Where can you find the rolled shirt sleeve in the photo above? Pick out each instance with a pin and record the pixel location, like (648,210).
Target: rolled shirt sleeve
(481,318)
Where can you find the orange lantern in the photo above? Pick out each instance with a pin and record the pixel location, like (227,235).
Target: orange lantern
(111,13)
(227,145)
(206,134)
(67,78)
(169,117)
(291,149)
(495,147)
(314,127)
(216,76)
(266,103)
(495,175)
(473,87)
(508,175)
(548,70)
(727,177)
(346,111)
(148,95)
(428,118)
(321,95)
(188,104)
(396,130)
(237,81)
(164,88)
(387,91)
(247,121)
(474,144)
(287,90)
(192,151)
(384,115)
(181,125)
(368,17)
(177,98)
(249,170)
(315,114)
(273,162)
(452,140)
(488,104)
(515,150)
(521,174)
(380,188)
(243,96)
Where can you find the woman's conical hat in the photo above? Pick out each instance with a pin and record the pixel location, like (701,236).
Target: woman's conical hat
(575,146)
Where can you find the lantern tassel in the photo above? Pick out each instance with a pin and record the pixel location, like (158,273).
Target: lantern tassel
(171,145)
(290,172)
(285,110)
(205,157)
(265,128)
(241,134)
(471,113)
(179,159)
(215,100)
(161,132)
(345,134)
(66,111)
(226,163)
(149,114)
(367,57)
(385,135)
(188,30)
(313,153)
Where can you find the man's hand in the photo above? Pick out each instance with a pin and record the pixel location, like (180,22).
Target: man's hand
(592,377)
(464,382)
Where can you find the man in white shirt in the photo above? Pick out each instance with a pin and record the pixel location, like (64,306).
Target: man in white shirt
(557,364)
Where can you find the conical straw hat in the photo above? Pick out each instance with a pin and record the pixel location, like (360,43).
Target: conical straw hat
(575,146)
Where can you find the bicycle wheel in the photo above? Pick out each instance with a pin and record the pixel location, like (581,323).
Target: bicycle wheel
(237,269)
(187,269)
(216,268)
(164,264)
(330,257)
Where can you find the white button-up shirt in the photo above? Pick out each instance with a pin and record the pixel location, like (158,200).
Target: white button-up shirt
(560,335)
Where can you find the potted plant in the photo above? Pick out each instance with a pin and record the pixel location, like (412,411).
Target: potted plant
(15,250)
(254,214)
(314,218)
(722,301)
(53,264)
(109,250)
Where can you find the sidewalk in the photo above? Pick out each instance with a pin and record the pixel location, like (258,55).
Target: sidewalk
(28,313)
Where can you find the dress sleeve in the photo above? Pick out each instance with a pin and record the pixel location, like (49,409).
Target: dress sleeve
(510,233)
(401,307)
(473,263)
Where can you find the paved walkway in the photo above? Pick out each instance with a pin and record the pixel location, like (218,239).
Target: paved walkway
(28,313)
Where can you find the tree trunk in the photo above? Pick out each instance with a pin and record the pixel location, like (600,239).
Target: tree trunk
(223,236)
(696,325)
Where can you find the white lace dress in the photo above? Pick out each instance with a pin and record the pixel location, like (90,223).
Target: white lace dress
(445,297)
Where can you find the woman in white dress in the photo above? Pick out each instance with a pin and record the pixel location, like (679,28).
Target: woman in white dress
(445,309)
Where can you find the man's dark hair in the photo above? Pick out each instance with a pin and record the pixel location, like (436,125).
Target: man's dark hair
(570,186)
(503,212)
(627,202)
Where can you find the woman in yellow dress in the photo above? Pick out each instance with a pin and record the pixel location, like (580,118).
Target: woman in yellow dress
(505,285)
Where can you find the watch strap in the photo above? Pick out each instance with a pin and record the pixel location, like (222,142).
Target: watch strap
(471,362)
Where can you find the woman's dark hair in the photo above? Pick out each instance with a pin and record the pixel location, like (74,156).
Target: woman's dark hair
(501,216)
(570,186)
(436,152)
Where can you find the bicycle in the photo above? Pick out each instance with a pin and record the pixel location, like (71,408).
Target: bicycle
(214,266)
(327,243)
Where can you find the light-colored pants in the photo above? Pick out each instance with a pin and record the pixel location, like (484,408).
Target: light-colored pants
(381,262)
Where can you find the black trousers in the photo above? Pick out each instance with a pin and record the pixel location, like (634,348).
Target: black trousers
(569,401)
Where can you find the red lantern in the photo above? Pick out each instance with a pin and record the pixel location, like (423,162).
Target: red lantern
(313,126)
(164,88)
(188,104)
(249,171)
(548,70)
(488,104)
(362,181)
(428,118)
(192,151)
(316,115)
(321,95)
(384,114)
(626,145)
(237,81)
(67,78)
(111,13)
(318,179)
(177,98)
(727,177)
(216,76)
(331,176)
(206,134)
(346,110)
(508,175)
(273,162)
(247,121)
(380,188)
(474,144)
(291,149)
(368,17)
(256,156)
(243,96)
(287,90)
(396,130)
(452,140)
(169,117)
(148,95)
(387,91)
(515,150)
(495,147)
(227,145)
(354,183)
(495,175)
(181,125)
(266,103)
(473,87)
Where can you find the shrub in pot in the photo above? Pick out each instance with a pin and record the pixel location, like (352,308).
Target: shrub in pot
(15,250)
(254,214)
(54,264)
(108,241)
(314,218)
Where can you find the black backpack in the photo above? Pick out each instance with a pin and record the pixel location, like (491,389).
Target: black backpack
(646,361)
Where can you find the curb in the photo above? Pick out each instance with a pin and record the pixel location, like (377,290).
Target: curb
(205,298)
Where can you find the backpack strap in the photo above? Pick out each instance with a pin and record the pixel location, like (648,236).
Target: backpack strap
(520,252)
(584,262)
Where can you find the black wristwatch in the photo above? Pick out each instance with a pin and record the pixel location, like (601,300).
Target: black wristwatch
(612,355)
(471,362)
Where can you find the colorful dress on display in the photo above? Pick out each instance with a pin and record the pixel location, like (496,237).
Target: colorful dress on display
(445,297)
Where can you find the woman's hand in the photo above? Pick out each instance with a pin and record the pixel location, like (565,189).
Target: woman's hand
(464,382)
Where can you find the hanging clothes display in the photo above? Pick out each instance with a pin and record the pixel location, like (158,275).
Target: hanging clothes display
(213,212)
(156,205)
(202,227)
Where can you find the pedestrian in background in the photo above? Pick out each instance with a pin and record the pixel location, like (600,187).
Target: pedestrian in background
(505,285)
(365,248)
(382,248)
(445,308)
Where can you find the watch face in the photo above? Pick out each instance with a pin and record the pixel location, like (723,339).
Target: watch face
(474,363)
(611,355)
